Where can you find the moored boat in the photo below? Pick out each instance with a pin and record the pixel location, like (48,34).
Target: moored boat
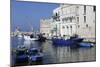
(62,42)
(28,37)
(21,57)
(86,45)
(41,38)
(35,56)
(19,36)
(73,42)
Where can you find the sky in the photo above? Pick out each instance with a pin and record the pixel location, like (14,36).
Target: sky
(26,14)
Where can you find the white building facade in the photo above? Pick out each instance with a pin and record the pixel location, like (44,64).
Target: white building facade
(69,20)
(76,19)
(66,20)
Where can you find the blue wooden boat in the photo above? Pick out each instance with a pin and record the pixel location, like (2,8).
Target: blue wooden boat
(35,55)
(21,57)
(69,42)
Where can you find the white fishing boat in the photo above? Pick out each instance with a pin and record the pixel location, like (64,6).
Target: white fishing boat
(27,37)
(19,36)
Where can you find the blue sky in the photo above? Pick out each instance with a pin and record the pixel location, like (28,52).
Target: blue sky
(24,14)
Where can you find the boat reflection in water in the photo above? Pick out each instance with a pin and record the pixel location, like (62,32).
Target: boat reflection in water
(50,54)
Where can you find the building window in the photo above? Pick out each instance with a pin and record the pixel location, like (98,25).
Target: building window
(77,7)
(78,26)
(67,27)
(63,20)
(94,8)
(56,17)
(77,19)
(63,27)
(84,9)
(70,26)
(56,14)
(84,18)
(87,26)
(70,18)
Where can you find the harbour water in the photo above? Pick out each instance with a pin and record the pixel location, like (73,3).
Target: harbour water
(52,54)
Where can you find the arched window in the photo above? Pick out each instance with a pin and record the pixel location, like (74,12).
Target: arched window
(70,26)
(67,27)
(78,26)
(87,25)
(63,27)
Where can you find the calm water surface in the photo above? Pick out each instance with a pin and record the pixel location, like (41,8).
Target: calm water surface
(54,54)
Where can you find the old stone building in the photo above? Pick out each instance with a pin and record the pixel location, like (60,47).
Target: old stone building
(45,27)
(70,19)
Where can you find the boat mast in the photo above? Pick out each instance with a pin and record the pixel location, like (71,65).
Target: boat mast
(17,30)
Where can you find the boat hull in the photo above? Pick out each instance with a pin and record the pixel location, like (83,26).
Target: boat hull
(68,42)
(28,38)
(61,42)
